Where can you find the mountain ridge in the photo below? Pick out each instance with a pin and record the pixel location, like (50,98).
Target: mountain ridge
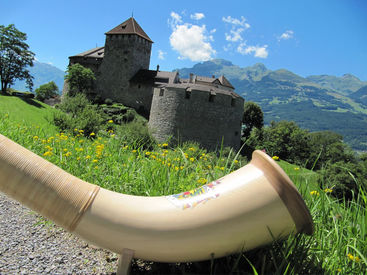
(315,103)
(42,73)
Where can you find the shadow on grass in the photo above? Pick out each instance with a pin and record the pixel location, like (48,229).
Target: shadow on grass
(31,101)
(282,257)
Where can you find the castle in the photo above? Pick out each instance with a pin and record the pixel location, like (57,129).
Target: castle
(201,109)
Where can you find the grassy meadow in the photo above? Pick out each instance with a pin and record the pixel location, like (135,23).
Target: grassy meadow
(338,246)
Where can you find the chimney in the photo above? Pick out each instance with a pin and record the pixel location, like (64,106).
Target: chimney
(191,78)
(157,68)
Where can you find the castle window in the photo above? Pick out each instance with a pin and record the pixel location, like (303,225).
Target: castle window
(161,92)
(233,102)
(188,93)
(212,96)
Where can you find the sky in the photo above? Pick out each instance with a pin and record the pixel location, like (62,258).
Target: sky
(307,37)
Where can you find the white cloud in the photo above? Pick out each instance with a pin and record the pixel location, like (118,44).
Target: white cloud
(197,16)
(161,54)
(236,22)
(258,51)
(238,26)
(191,42)
(286,35)
(235,35)
(174,20)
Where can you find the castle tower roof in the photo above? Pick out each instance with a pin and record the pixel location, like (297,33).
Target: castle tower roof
(130,26)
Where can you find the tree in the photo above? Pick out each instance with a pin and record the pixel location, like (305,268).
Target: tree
(15,57)
(80,79)
(252,117)
(46,91)
(288,141)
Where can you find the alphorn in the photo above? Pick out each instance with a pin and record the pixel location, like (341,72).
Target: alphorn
(243,210)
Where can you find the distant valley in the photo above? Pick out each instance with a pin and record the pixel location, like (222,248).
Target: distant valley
(318,102)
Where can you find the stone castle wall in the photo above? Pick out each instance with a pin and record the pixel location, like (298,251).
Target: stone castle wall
(207,120)
(124,56)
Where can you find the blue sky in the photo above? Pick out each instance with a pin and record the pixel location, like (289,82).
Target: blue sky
(306,36)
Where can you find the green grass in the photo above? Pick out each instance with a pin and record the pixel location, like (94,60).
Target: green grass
(27,111)
(338,246)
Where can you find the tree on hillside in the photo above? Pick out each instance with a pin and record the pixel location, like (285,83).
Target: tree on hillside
(328,147)
(15,57)
(288,141)
(46,91)
(253,117)
(80,79)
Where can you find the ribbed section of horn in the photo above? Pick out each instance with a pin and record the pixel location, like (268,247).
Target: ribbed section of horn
(42,186)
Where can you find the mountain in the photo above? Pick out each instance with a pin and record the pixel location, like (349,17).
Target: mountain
(346,84)
(42,73)
(316,103)
(360,95)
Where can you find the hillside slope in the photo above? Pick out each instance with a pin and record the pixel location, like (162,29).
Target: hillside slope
(42,73)
(28,112)
(310,102)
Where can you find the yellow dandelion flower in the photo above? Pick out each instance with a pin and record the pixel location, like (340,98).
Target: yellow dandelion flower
(235,161)
(201,181)
(165,145)
(177,168)
(88,157)
(134,151)
(192,159)
(35,137)
(275,158)
(92,134)
(147,153)
(110,121)
(328,190)
(95,160)
(222,168)
(314,193)
(48,153)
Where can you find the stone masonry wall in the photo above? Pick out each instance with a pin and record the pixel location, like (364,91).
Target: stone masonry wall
(124,55)
(196,118)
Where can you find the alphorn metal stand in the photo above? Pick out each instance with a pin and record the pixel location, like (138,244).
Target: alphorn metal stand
(124,262)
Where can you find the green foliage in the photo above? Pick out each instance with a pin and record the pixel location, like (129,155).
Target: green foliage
(328,147)
(287,141)
(32,112)
(252,117)
(15,58)
(80,79)
(345,178)
(46,91)
(136,134)
(79,113)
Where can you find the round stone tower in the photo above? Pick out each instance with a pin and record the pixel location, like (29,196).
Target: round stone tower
(191,112)
(127,50)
